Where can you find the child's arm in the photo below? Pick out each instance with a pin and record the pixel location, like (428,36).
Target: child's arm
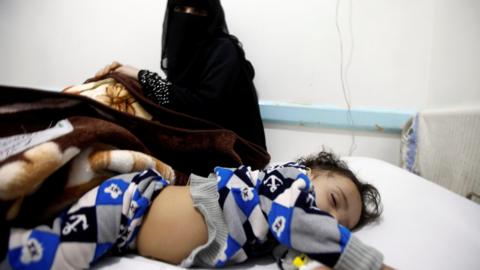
(292,259)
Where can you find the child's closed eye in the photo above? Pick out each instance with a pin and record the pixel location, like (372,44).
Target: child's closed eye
(334,201)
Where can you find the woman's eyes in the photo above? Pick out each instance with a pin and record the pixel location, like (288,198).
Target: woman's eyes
(190,10)
(181,9)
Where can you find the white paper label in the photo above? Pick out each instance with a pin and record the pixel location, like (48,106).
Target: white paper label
(17,143)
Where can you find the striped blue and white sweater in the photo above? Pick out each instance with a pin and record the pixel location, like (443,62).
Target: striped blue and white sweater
(279,203)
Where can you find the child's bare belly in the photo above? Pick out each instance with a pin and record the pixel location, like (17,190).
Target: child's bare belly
(172,227)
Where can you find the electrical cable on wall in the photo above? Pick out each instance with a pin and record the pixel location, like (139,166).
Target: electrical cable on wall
(344,69)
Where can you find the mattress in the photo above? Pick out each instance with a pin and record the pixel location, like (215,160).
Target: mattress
(423,226)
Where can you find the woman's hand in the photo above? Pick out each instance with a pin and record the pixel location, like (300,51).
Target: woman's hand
(117,67)
(107,69)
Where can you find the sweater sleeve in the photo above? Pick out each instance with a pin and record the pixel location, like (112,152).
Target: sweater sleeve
(296,222)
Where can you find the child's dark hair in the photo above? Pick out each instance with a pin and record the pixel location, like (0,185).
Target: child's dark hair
(371,202)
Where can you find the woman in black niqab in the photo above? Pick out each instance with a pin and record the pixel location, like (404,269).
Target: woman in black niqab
(207,73)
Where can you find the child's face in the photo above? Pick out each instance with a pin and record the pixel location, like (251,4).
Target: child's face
(337,195)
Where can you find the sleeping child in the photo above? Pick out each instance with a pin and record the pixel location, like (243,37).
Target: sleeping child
(308,206)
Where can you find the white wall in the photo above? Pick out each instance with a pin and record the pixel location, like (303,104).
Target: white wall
(407,54)
(293,45)
(296,44)
(455,64)
(56,43)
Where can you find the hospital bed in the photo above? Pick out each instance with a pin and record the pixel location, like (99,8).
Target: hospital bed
(423,226)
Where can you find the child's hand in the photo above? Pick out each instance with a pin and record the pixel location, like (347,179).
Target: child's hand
(386,267)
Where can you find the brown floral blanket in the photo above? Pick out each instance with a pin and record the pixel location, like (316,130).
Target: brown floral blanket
(111,93)
(56,146)
(46,170)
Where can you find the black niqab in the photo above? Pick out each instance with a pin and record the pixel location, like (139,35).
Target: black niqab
(183,47)
(184,36)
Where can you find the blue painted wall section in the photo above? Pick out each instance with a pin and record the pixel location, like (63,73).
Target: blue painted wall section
(380,120)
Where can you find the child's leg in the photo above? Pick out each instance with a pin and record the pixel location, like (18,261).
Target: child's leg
(106,218)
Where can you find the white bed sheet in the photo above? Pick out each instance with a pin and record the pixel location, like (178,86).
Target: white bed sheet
(423,226)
